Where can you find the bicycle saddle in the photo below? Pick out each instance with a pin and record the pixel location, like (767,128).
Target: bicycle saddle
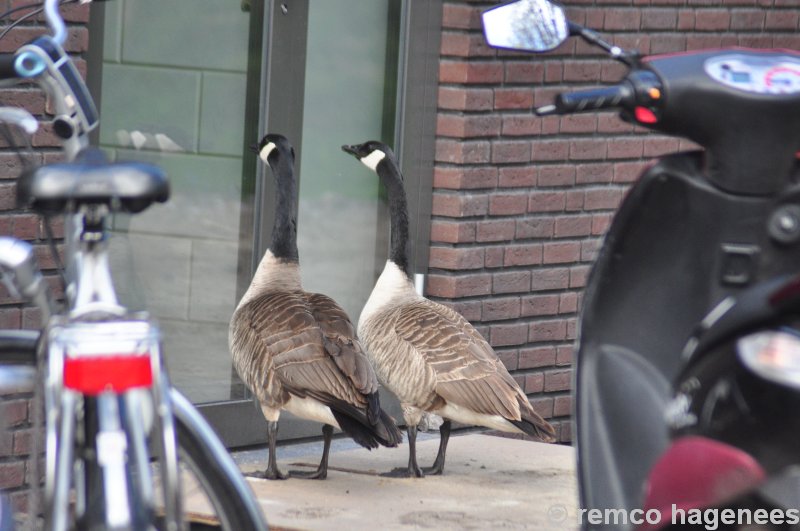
(92,180)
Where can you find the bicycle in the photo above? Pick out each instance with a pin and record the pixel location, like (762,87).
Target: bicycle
(109,407)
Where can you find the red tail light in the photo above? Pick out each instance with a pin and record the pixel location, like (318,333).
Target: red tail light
(93,375)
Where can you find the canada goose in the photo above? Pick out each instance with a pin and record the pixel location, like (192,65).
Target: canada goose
(426,353)
(296,350)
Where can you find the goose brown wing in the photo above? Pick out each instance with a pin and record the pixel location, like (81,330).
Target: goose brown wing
(468,372)
(341,343)
(289,334)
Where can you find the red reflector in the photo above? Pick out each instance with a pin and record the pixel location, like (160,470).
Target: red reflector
(93,375)
(645,115)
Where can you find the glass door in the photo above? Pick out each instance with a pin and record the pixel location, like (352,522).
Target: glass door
(190,85)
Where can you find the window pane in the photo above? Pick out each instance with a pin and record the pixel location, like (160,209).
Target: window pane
(173,93)
(341,241)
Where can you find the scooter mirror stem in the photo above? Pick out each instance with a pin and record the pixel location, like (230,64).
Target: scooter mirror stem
(628,57)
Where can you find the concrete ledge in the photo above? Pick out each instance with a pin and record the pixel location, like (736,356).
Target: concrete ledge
(489,483)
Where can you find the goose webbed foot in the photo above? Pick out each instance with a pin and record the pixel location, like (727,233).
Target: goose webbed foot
(438,465)
(412,470)
(269,473)
(322,471)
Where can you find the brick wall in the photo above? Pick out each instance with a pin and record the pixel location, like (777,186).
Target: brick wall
(15,409)
(520,202)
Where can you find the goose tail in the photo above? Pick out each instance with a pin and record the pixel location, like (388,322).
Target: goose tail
(534,425)
(356,424)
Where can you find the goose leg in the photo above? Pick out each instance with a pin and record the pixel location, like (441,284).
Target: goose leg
(322,470)
(444,437)
(413,469)
(272,471)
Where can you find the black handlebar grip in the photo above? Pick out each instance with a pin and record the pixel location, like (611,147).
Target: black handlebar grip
(20,65)
(612,97)
(8,69)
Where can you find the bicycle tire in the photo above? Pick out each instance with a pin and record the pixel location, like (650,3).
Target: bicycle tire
(230,495)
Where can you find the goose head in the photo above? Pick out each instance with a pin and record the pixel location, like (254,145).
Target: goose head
(272,148)
(372,153)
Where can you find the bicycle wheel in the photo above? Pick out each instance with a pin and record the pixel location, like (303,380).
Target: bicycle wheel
(226,489)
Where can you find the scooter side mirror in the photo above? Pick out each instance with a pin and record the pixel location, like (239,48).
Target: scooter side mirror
(526,25)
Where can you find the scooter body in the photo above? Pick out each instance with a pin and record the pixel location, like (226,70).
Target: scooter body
(696,229)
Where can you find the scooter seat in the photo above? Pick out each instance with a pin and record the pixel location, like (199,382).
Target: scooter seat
(92,180)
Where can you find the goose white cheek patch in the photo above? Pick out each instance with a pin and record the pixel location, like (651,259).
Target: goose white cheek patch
(265,151)
(371,161)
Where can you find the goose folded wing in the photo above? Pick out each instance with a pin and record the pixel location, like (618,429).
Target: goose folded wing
(468,372)
(341,343)
(288,333)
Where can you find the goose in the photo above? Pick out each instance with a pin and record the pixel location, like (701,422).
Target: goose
(298,351)
(427,354)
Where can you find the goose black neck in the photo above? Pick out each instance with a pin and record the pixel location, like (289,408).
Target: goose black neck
(398,213)
(284,229)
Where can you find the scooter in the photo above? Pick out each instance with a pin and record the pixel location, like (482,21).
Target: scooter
(694,268)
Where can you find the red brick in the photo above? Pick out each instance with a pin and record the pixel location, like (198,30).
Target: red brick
(781,20)
(12,475)
(548,279)
(628,172)
(521,125)
(14,412)
(456,258)
(509,359)
(464,45)
(625,148)
(505,151)
(582,71)
(561,252)
(534,383)
(579,123)
(518,177)
(526,72)
(550,150)
(593,173)
(562,406)
(685,20)
(511,282)
(508,204)
(589,149)
(659,19)
(538,305)
(578,276)
(589,250)
(500,309)
(747,19)
(471,310)
(466,99)
(466,72)
(602,199)
(564,355)
(508,334)
(460,16)
(536,227)
(460,152)
(493,257)
(532,358)
(546,202)
(522,255)
(658,146)
(568,303)
(513,98)
(622,19)
(600,223)
(543,406)
(462,178)
(495,230)
(468,126)
(452,231)
(571,226)
(560,380)
(452,287)
(459,205)
(712,20)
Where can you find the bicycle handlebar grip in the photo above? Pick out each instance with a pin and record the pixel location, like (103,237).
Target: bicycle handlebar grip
(20,65)
(612,97)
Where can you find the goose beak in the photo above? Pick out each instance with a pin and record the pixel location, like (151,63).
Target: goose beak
(351,149)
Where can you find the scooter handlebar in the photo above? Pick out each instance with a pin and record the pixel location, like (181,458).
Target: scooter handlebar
(613,97)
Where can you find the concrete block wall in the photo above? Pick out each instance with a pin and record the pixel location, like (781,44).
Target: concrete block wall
(520,203)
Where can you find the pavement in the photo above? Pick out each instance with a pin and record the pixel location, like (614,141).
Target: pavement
(489,482)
